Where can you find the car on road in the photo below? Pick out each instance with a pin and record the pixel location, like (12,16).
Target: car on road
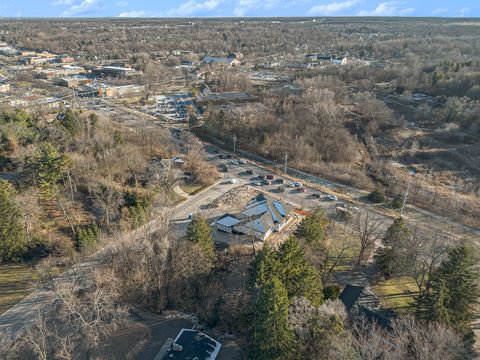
(302,190)
(295,184)
(331,197)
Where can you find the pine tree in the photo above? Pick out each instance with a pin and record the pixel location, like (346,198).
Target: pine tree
(297,275)
(13,240)
(453,291)
(200,233)
(47,167)
(312,228)
(396,234)
(272,338)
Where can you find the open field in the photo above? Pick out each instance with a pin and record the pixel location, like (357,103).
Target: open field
(397,293)
(15,282)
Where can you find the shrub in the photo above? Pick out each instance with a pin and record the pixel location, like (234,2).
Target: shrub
(377,196)
(397,202)
(331,292)
(87,237)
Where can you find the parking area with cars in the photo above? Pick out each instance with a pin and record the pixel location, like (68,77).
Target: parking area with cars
(241,172)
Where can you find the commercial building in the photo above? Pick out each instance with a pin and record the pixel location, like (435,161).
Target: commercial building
(260,218)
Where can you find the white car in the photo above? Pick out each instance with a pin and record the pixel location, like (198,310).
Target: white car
(233,181)
(331,197)
(295,184)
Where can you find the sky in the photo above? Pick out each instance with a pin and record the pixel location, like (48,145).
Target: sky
(227,8)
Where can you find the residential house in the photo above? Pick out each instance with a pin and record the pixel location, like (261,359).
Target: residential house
(260,218)
(226,61)
(361,301)
(192,344)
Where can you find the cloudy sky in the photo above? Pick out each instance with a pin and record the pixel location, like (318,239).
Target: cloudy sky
(192,8)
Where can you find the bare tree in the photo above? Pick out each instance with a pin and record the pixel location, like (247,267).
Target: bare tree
(366,227)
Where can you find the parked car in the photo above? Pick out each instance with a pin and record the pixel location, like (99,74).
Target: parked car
(279,181)
(295,184)
(331,197)
(229,156)
(316,196)
(233,181)
(249,172)
(265,182)
(223,168)
(302,190)
(261,177)
(341,204)
(270,176)
(242,162)
(256,183)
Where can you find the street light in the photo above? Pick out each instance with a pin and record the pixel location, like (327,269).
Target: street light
(234,143)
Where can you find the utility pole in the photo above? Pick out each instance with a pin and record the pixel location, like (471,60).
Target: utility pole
(234,143)
(286,160)
(405,196)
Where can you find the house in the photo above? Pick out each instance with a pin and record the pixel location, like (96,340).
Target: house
(209,60)
(260,218)
(192,344)
(362,301)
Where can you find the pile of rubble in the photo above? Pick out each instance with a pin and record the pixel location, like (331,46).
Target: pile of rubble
(235,199)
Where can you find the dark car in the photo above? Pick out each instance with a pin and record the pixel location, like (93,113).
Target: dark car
(229,156)
(265,182)
(249,172)
(316,196)
(261,177)
(302,190)
(270,176)
(279,181)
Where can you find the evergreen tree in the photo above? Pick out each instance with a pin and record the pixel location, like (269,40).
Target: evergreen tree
(377,195)
(200,233)
(46,168)
(13,240)
(272,337)
(396,234)
(312,228)
(71,122)
(452,292)
(297,275)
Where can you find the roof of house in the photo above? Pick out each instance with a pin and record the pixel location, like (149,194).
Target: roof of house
(227,220)
(350,295)
(194,345)
(221,60)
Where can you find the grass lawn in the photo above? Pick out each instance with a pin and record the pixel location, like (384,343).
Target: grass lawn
(191,189)
(397,293)
(14,284)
